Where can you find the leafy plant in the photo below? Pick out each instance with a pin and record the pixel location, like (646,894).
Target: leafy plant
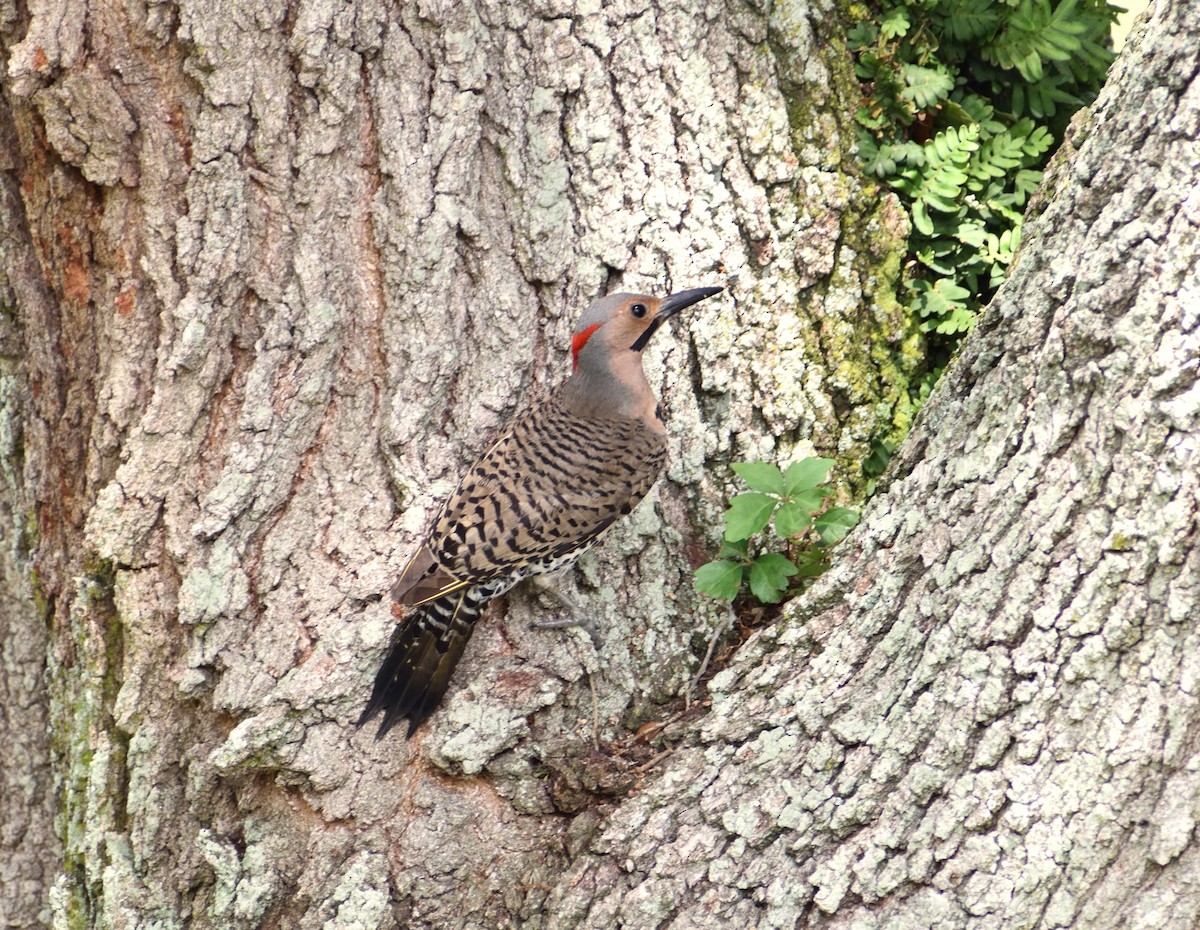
(792,501)
(875,464)
(964,101)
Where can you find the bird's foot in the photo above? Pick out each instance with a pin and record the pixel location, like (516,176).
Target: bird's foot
(568,621)
(574,617)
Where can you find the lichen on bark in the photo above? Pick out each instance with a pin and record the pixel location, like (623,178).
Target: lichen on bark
(273,306)
(980,717)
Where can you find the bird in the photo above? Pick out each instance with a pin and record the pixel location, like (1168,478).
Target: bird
(561,473)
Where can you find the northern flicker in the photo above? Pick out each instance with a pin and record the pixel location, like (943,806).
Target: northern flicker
(562,472)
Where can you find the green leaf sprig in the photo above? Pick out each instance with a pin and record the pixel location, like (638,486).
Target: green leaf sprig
(792,501)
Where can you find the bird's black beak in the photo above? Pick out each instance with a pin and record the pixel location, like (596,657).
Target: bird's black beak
(676,302)
(668,307)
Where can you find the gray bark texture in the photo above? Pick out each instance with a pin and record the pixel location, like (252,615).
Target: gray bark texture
(988,714)
(277,272)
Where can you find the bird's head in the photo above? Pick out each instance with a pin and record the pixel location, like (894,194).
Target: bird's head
(614,329)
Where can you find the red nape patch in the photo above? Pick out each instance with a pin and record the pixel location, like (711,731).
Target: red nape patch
(578,341)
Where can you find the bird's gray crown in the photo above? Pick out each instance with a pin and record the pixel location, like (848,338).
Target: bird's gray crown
(601,310)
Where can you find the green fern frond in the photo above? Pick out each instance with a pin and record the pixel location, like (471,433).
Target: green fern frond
(967,21)
(925,87)
(964,100)
(1034,35)
(1044,98)
(895,23)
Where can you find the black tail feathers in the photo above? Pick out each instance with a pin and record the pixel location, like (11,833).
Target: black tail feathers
(425,648)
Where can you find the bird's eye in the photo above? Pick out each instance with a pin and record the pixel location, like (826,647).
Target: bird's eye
(638,310)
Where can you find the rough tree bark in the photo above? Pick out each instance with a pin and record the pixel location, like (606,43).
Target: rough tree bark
(279,270)
(987,715)
(276,271)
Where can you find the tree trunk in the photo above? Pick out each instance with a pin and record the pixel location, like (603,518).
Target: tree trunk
(278,272)
(987,714)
